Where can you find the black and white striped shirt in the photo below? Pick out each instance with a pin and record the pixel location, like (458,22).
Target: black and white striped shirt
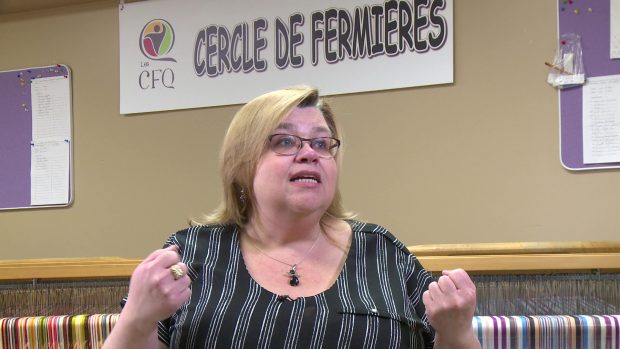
(376,301)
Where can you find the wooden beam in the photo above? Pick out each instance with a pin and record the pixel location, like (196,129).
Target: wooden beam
(515,248)
(67,268)
(493,258)
(525,264)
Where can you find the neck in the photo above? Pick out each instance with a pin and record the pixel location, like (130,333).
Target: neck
(283,229)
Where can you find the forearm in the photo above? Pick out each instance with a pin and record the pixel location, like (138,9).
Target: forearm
(132,335)
(469,341)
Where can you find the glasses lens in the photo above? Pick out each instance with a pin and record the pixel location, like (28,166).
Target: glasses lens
(284,144)
(289,145)
(325,146)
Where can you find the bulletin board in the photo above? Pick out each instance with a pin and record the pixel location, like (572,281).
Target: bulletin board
(36,148)
(591,20)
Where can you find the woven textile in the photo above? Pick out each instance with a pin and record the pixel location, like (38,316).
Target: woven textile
(550,331)
(497,332)
(48,298)
(547,294)
(63,332)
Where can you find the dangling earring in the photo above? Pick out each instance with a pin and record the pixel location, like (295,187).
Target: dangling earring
(242,196)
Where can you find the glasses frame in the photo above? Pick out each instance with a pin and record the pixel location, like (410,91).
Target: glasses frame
(309,141)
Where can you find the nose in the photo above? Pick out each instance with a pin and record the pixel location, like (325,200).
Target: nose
(306,153)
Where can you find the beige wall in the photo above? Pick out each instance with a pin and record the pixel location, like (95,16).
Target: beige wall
(473,161)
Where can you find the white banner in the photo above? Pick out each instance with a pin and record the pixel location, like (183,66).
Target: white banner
(177,54)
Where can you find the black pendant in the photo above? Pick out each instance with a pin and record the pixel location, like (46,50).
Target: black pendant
(294,281)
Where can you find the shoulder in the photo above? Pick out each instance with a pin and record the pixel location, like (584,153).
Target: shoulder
(378,232)
(205,229)
(196,233)
(378,242)
(198,244)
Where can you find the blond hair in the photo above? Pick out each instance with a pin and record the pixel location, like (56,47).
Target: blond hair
(246,141)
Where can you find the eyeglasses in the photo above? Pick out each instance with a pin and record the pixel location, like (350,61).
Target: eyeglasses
(285,144)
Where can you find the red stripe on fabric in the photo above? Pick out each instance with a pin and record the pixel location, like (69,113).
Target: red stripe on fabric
(66,327)
(3,332)
(52,331)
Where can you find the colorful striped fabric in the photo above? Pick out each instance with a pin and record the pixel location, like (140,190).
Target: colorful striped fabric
(496,332)
(51,332)
(550,331)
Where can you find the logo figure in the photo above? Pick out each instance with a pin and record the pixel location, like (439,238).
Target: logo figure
(156,40)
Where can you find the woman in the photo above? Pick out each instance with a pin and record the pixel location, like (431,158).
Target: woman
(281,264)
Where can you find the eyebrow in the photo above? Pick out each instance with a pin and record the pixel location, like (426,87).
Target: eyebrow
(290,127)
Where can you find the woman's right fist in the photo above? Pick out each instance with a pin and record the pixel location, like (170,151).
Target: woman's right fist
(155,290)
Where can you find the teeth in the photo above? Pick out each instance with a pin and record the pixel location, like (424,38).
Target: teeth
(306,180)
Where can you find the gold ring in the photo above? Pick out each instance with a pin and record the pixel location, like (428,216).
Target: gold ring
(176,272)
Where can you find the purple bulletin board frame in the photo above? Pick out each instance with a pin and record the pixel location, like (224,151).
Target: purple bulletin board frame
(590,19)
(16,135)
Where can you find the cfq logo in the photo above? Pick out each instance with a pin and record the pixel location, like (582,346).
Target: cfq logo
(156,40)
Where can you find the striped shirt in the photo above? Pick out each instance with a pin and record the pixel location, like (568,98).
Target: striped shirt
(376,301)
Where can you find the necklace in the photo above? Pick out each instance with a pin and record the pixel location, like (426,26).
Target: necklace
(292,273)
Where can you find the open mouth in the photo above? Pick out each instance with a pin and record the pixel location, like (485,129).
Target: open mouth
(306,179)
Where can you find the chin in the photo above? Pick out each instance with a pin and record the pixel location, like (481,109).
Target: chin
(308,208)
(308,204)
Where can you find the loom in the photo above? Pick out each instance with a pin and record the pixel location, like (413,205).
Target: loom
(530,295)
(544,278)
(511,279)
